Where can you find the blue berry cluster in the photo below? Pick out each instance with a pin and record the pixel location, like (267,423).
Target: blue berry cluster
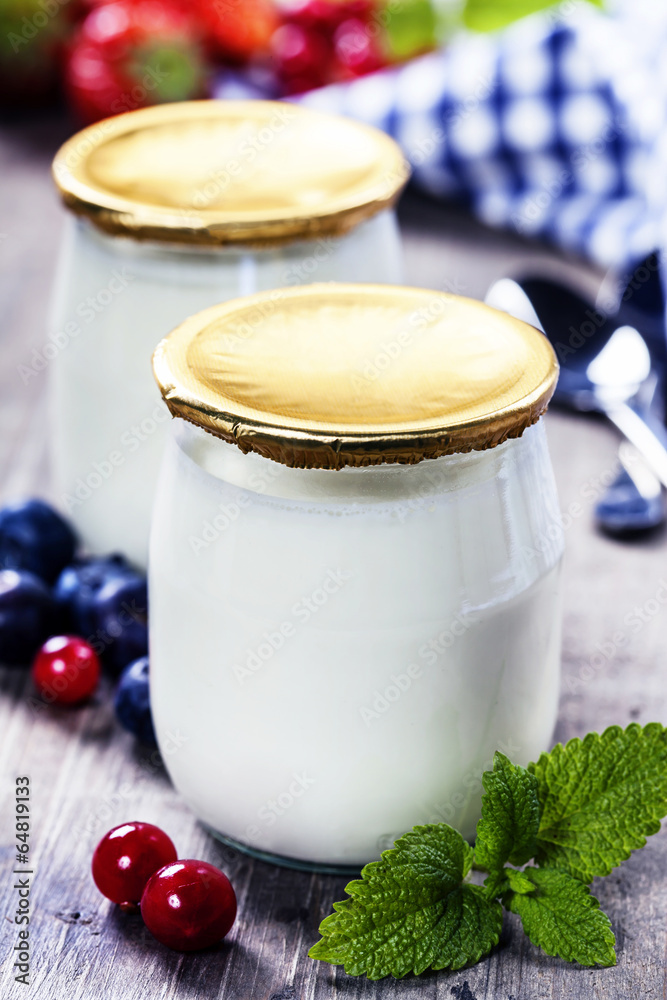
(46,589)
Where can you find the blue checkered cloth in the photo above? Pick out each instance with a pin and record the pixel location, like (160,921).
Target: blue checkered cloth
(555,127)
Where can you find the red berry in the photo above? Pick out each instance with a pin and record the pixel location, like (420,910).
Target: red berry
(301,57)
(356,48)
(189,905)
(125,859)
(326,14)
(236,30)
(66,670)
(129,54)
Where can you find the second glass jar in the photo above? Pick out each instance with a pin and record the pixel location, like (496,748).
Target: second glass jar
(178,207)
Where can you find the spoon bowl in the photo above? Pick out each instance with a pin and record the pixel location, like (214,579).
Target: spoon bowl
(618,372)
(602,364)
(605,365)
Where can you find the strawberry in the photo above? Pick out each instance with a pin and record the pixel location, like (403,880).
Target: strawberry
(237,29)
(130,54)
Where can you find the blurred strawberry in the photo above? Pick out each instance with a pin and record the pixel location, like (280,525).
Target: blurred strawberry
(130,54)
(236,29)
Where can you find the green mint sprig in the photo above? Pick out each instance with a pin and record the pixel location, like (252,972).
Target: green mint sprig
(489,15)
(577,813)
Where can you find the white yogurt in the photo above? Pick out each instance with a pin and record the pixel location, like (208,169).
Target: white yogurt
(335,656)
(115,299)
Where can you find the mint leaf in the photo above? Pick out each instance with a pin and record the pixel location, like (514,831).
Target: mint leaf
(411,911)
(488,15)
(519,881)
(600,798)
(510,816)
(563,919)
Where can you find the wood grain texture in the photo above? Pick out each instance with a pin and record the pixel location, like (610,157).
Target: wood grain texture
(87,776)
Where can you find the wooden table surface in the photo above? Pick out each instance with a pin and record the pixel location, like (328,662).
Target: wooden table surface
(87,775)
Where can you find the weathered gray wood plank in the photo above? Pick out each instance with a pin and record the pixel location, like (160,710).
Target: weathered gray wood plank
(87,776)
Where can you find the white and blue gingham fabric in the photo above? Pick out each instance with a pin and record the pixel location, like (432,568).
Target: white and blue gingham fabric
(555,127)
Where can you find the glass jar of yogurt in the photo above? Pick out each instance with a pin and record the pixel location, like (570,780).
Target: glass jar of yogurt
(355,565)
(175,208)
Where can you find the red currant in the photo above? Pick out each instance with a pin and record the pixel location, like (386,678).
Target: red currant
(125,859)
(66,670)
(301,57)
(189,905)
(356,48)
(325,14)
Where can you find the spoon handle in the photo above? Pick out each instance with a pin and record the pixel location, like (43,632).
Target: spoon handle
(645,440)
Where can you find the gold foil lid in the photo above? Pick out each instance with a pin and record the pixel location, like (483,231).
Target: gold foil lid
(217,172)
(325,376)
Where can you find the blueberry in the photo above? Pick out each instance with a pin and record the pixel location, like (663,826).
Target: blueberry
(121,612)
(78,585)
(132,702)
(28,615)
(105,602)
(34,537)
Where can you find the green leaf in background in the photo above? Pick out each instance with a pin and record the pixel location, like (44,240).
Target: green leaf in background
(600,798)
(411,911)
(510,816)
(410,27)
(489,15)
(563,919)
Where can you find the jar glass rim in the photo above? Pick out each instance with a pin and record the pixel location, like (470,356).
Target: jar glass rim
(368,484)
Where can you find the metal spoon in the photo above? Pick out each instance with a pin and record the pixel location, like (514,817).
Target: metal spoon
(606,372)
(633,502)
